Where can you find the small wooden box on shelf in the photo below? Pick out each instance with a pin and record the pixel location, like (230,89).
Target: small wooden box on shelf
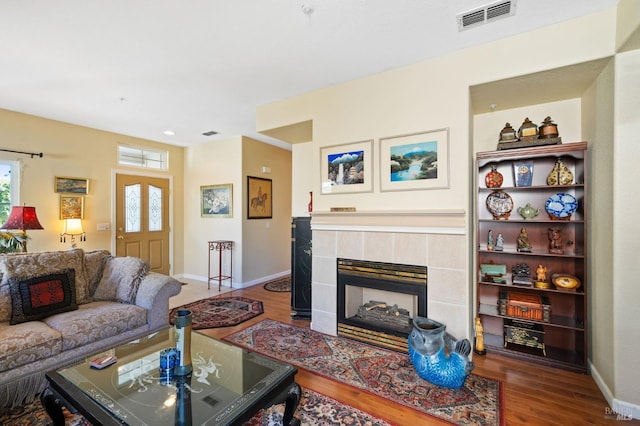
(554,223)
(524,305)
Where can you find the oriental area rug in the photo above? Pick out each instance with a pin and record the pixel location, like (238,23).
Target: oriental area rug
(385,373)
(281,285)
(220,311)
(314,409)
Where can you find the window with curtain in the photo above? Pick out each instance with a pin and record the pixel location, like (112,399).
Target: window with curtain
(9,187)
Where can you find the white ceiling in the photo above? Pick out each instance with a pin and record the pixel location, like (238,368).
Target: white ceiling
(139,67)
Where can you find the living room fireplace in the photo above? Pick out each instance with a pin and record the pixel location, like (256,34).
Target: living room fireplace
(377,301)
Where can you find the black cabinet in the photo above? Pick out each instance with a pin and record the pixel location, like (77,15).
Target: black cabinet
(301,267)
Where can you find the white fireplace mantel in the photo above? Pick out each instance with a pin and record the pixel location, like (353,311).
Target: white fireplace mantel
(407,221)
(433,238)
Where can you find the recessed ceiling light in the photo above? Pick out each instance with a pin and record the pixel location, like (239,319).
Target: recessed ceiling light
(169,133)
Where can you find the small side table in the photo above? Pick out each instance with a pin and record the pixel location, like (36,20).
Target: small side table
(220,246)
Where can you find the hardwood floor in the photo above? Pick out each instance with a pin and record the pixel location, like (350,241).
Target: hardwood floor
(533,395)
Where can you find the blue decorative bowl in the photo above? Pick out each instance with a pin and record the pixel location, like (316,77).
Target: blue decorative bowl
(561,205)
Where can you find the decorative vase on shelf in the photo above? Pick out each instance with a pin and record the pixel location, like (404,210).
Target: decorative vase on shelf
(494,178)
(560,175)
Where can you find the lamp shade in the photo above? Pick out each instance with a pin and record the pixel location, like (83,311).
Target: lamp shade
(22,218)
(73,227)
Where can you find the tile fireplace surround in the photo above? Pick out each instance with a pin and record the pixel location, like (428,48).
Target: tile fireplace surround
(435,238)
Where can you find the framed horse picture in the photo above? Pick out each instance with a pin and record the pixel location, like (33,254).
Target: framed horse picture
(259,198)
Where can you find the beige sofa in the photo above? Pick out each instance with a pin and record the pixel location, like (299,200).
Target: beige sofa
(59,307)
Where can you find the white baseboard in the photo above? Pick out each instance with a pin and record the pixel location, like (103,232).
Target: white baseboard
(264,279)
(617,410)
(235,283)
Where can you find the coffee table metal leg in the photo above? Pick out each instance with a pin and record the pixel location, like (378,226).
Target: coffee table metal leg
(291,405)
(52,406)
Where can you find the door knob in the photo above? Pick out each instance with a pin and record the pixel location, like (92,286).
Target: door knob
(119,237)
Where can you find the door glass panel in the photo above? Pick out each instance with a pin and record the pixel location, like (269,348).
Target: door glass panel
(155,208)
(132,208)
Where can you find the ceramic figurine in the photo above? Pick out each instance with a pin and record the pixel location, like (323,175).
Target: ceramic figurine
(541,273)
(490,240)
(437,356)
(499,243)
(541,277)
(555,241)
(523,241)
(479,342)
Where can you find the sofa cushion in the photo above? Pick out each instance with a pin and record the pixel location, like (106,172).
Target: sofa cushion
(94,262)
(39,263)
(38,297)
(95,321)
(121,277)
(27,342)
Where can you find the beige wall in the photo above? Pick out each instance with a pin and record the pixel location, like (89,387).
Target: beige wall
(266,243)
(566,114)
(626,246)
(628,28)
(597,124)
(261,247)
(77,151)
(214,163)
(435,93)
(302,180)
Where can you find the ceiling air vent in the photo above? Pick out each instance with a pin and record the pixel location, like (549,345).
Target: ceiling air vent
(210,133)
(485,14)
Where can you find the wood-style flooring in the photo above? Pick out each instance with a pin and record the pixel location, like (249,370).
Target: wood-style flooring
(533,394)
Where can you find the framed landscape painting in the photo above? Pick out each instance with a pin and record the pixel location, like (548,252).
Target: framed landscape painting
(259,198)
(415,161)
(71,185)
(216,200)
(347,168)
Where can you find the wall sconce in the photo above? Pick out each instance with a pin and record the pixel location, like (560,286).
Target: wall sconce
(22,218)
(72,228)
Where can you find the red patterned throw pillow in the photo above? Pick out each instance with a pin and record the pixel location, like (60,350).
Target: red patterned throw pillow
(35,298)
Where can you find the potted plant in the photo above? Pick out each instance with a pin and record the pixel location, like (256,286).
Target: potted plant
(12,243)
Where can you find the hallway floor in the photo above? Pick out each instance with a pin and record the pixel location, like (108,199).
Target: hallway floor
(196,290)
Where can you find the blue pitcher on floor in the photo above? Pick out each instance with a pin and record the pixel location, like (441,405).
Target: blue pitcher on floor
(437,356)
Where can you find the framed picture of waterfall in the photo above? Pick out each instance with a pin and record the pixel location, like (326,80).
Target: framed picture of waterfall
(347,168)
(415,161)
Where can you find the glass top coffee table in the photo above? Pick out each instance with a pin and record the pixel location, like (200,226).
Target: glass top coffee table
(228,386)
